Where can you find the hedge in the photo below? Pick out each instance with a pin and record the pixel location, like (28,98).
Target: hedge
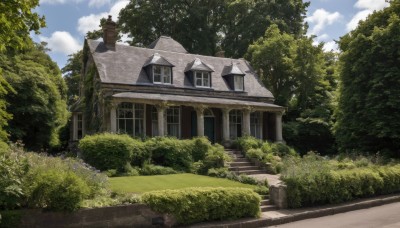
(107,151)
(341,185)
(192,205)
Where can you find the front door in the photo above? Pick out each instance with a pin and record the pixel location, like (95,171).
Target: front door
(209,128)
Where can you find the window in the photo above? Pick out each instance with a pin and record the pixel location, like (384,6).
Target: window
(235,124)
(202,79)
(161,74)
(154,121)
(173,121)
(238,82)
(130,119)
(80,126)
(256,124)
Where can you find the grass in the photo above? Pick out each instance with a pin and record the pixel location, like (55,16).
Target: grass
(141,184)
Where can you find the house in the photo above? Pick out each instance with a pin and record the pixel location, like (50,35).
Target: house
(164,90)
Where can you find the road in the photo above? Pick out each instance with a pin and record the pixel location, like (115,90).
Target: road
(386,216)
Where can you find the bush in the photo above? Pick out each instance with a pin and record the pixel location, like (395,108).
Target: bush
(282,150)
(313,180)
(200,147)
(215,158)
(169,151)
(150,169)
(111,200)
(255,153)
(54,190)
(205,204)
(107,151)
(248,142)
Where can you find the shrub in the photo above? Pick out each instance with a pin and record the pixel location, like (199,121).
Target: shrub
(150,169)
(169,151)
(215,158)
(200,147)
(107,151)
(282,150)
(111,200)
(205,204)
(54,190)
(248,142)
(140,154)
(255,153)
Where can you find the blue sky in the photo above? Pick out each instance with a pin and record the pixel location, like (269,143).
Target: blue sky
(69,20)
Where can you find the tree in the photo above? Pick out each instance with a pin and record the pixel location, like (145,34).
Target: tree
(72,74)
(205,27)
(16,21)
(369,105)
(38,106)
(297,73)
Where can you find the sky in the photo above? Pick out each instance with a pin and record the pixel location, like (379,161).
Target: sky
(69,20)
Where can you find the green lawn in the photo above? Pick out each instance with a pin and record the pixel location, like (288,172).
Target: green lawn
(140,184)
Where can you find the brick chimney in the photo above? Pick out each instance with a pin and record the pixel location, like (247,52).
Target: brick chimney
(110,33)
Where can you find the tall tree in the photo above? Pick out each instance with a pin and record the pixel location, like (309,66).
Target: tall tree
(296,71)
(38,106)
(72,74)
(205,27)
(16,21)
(369,105)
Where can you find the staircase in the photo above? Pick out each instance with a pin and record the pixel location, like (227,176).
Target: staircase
(241,165)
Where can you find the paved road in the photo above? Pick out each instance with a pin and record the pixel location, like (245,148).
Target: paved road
(386,216)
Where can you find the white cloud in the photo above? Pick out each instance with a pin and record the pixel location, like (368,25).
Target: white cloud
(98,3)
(371,4)
(62,42)
(356,18)
(92,21)
(321,18)
(53,2)
(368,7)
(331,46)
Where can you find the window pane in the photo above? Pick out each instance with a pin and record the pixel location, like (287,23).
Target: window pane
(129,127)
(157,70)
(206,81)
(198,81)
(238,83)
(157,77)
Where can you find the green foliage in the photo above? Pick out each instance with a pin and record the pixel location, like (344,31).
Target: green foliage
(314,180)
(215,158)
(168,151)
(107,151)
(38,105)
(368,112)
(149,169)
(54,190)
(9,219)
(205,204)
(207,28)
(248,142)
(72,74)
(201,145)
(113,200)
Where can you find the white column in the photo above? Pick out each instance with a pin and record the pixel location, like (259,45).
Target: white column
(246,122)
(113,118)
(200,121)
(75,126)
(278,126)
(160,115)
(225,124)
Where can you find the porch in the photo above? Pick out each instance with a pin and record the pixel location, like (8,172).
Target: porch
(220,119)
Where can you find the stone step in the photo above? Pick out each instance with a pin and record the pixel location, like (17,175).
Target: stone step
(234,151)
(264,196)
(268,208)
(250,172)
(236,164)
(235,155)
(265,202)
(241,160)
(243,168)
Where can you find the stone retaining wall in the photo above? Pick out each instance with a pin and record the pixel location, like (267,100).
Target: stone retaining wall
(136,215)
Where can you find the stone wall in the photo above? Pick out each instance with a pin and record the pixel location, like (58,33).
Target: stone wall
(137,215)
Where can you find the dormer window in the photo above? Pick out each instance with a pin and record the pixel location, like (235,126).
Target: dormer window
(238,82)
(202,79)
(161,74)
(159,69)
(199,74)
(234,77)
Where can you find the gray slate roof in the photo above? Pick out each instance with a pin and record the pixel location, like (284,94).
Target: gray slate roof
(166,43)
(125,66)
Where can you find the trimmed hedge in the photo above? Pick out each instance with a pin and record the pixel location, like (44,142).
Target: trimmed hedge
(192,205)
(108,151)
(326,187)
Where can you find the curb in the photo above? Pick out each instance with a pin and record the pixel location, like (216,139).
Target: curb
(308,214)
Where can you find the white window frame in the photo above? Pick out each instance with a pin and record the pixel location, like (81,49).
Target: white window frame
(236,83)
(167,124)
(134,118)
(234,116)
(256,124)
(165,73)
(202,76)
